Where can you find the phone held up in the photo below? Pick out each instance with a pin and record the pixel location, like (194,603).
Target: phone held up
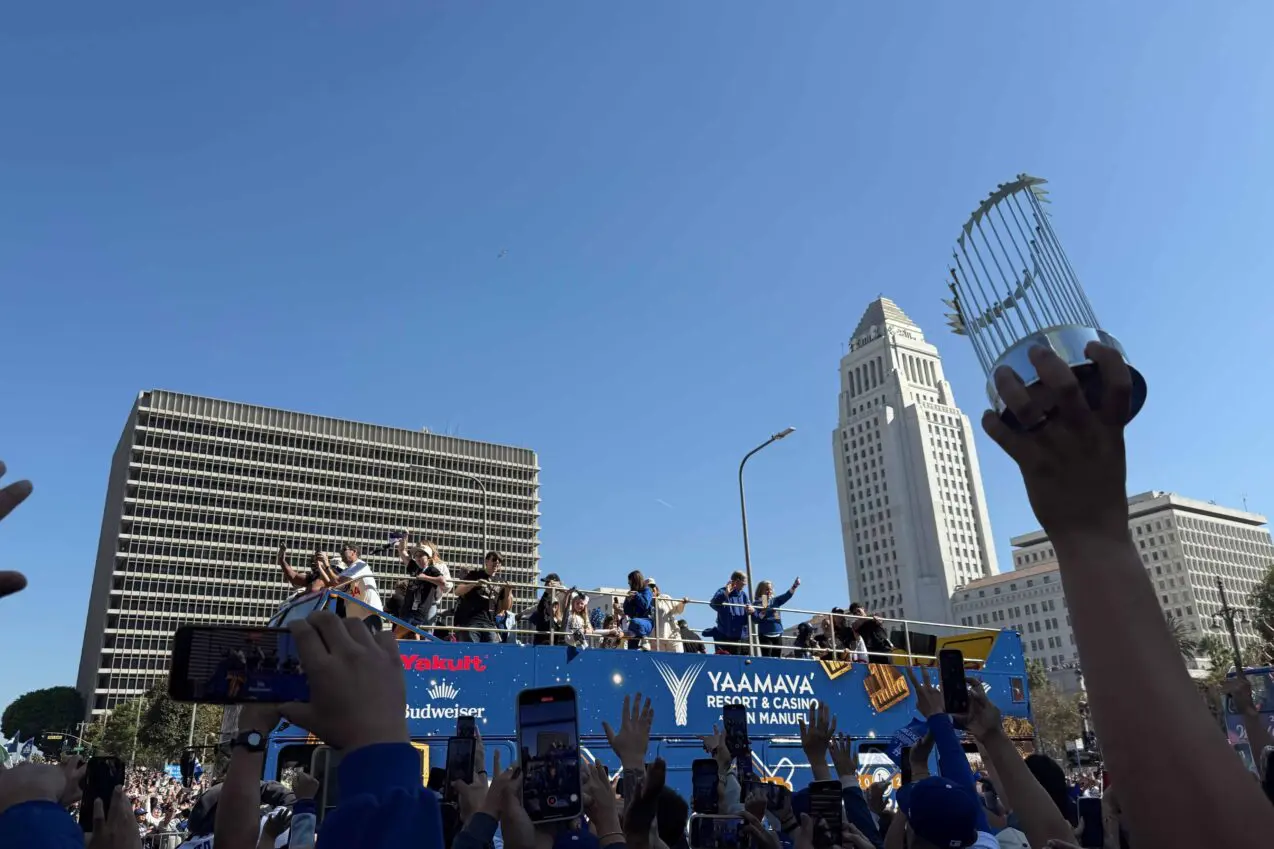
(711,832)
(101,777)
(735,719)
(466,726)
(230,665)
(548,743)
(955,687)
(826,811)
(703,786)
(1093,835)
(460,766)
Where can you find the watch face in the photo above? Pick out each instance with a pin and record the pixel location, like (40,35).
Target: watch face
(253,738)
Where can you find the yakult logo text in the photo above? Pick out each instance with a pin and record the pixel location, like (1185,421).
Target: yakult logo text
(420,663)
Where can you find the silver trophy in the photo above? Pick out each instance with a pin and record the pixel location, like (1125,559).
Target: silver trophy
(1012,288)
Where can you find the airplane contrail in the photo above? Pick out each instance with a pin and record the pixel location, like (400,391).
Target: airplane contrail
(665,503)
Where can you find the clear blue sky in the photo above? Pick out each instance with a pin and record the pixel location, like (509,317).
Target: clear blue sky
(301,205)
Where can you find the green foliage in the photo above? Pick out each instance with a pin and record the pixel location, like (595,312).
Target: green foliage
(1261,601)
(1219,656)
(162,729)
(1057,718)
(1185,644)
(50,709)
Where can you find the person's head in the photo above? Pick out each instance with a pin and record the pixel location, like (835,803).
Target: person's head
(349,553)
(940,814)
(579,604)
(764,588)
(425,554)
(857,609)
(671,815)
(636,580)
(493,562)
(1052,778)
(654,588)
(737,581)
(552,580)
(504,601)
(316,558)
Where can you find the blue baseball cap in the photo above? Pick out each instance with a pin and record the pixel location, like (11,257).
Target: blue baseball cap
(940,811)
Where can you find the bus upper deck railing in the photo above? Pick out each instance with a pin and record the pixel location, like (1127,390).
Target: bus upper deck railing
(915,635)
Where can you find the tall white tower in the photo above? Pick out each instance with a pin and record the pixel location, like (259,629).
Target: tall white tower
(913,515)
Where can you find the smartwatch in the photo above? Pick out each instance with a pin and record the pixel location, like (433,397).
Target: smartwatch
(253,741)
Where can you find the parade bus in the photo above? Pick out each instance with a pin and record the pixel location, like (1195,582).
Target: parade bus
(872,702)
(1262,681)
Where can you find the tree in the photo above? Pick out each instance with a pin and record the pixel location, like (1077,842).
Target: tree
(1220,658)
(1057,718)
(1185,644)
(1261,602)
(50,709)
(162,728)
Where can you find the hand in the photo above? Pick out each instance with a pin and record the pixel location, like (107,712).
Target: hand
(919,758)
(599,796)
(762,837)
(796,585)
(118,831)
(816,735)
(928,697)
(472,795)
(1072,461)
(258,717)
(1240,690)
(283,553)
(804,836)
(277,823)
(633,738)
(749,609)
(351,674)
(983,718)
(29,782)
(852,837)
(10,497)
(714,745)
(641,811)
(756,804)
(515,823)
(74,768)
(500,788)
(304,785)
(842,751)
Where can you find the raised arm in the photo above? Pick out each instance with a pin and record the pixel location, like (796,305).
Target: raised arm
(289,574)
(402,550)
(1073,462)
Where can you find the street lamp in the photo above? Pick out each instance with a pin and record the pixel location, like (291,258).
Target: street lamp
(743,510)
(1230,615)
(486,544)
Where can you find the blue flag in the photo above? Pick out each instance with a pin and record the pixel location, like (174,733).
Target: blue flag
(909,735)
(12,747)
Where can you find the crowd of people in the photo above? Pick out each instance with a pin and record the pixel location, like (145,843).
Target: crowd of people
(1157,734)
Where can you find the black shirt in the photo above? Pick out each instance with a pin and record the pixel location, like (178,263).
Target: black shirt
(474,607)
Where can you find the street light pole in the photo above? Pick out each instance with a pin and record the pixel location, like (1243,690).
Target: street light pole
(1231,615)
(486,542)
(190,738)
(743,511)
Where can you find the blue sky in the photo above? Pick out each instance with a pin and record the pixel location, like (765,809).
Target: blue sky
(302,205)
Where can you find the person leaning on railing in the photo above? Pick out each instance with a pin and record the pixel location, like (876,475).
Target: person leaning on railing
(667,636)
(733,607)
(431,579)
(769,622)
(474,614)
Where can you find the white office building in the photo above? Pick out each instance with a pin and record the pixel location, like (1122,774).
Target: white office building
(1030,601)
(913,516)
(1185,545)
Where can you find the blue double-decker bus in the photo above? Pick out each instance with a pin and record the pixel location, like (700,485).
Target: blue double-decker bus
(872,701)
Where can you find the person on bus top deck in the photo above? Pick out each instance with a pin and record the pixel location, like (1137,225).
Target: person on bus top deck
(639,606)
(769,623)
(667,636)
(475,616)
(546,618)
(357,580)
(320,575)
(875,637)
(733,607)
(430,582)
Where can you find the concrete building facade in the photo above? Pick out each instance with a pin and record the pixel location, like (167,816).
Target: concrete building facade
(914,522)
(1185,545)
(202,492)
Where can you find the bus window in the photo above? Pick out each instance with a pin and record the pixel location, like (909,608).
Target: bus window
(292,758)
(1262,692)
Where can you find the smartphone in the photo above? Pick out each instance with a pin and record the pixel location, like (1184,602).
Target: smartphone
(437,779)
(101,777)
(1092,836)
(460,753)
(955,688)
(718,833)
(735,718)
(232,664)
(703,786)
(548,740)
(904,768)
(466,726)
(826,811)
(776,795)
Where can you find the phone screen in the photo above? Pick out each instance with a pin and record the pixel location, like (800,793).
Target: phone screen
(703,786)
(775,794)
(101,777)
(1090,812)
(548,739)
(904,768)
(825,810)
(736,729)
(228,665)
(460,751)
(437,779)
(955,689)
(466,726)
(718,833)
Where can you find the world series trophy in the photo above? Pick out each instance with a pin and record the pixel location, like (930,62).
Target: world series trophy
(1012,289)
